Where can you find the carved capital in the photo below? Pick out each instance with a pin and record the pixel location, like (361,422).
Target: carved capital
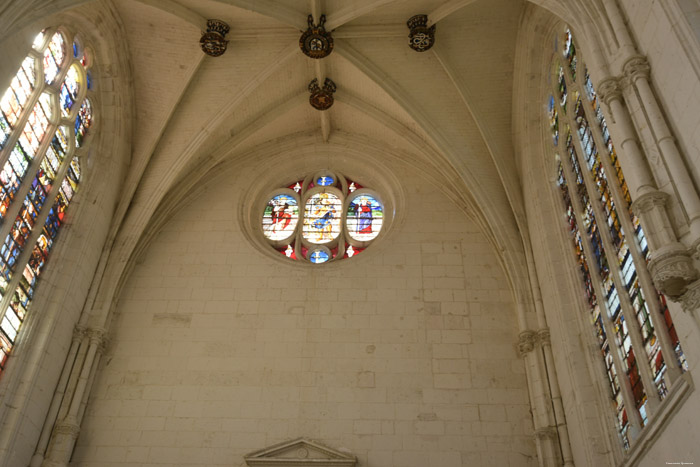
(635,68)
(690,300)
(649,201)
(527,341)
(672,271)
(79,331)
(96,335)
(68,428)
(543,337)
(609,90)
(546,432)
(695,250)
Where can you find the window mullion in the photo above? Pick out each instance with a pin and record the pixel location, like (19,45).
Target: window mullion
(647,285)
(627,309)
(635,418)
(23,258)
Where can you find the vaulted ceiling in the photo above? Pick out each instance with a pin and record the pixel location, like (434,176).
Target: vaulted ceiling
(448,110)
(451,106)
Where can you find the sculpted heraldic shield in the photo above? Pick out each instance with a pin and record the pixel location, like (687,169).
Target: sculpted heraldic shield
(315,42)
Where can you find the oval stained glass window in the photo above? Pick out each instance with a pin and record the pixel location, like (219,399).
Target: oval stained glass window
(322,218)
(280,217)
(364,218)
(319,255)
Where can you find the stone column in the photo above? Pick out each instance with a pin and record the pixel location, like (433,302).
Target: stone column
(636,72)
(546,439)
(671,265)
(557,404)
(78,336)
(66,431)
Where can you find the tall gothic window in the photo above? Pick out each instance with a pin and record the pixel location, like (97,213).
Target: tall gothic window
(45,115)
(637,340)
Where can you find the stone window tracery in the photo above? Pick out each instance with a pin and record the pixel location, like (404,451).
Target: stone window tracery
(635,334)
(322,218)
(45,115)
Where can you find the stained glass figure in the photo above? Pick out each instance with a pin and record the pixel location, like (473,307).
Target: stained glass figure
(322,218)
(364,218)
(325,181)
(280,217)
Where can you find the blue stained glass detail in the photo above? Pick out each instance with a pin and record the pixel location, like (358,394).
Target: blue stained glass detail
(75,50)
(89,80)
(325,181)
(318,256)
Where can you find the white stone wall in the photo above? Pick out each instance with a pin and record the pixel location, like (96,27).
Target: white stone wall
(403,356)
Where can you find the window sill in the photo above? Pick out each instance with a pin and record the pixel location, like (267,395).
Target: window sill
(669,407)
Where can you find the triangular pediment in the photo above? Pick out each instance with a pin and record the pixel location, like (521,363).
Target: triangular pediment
(299,453)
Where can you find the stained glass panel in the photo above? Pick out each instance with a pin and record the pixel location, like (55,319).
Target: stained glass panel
(28,145)
(319,256)
(364,218)
(570,52)
(563,95)
(322,218)
(352,186)
(69,90)
(612,214)
(553,121)
(15,98)
(82,122)
(39,40)
(53,57)
(280,217)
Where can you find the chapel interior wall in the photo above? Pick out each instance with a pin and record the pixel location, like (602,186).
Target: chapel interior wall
(403,355)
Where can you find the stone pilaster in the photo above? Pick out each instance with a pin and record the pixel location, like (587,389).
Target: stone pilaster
(66,430)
